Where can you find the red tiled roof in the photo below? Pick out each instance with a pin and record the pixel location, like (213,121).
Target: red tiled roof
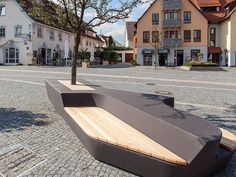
(214,17)
(130,28)
(207,3)
(214,50)
(213,3)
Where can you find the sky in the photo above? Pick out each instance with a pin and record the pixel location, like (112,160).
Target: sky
(117,30)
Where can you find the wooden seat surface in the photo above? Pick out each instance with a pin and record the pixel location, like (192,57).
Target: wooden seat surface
(228,140)
(103,126)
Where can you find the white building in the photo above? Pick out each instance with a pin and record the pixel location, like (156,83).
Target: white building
(26,40)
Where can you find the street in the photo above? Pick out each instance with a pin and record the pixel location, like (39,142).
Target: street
(35,140)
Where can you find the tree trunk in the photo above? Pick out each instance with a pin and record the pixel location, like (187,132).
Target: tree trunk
(74,60)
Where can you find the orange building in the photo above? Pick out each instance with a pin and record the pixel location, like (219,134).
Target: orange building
(173,31)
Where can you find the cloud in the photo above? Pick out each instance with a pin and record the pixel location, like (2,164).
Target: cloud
(116,30)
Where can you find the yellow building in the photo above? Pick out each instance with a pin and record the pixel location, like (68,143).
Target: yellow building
(178,30)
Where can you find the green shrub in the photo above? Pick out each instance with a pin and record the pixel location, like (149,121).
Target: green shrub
(106,55)
(190,63)
(203,64)
(83,54)
(134,62)
(114,57)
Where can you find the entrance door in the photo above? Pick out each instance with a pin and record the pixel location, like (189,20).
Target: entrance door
(11,56)
(216,58)
(180,57)
(128,57)
(49,56)
(43,56)
(147,59)
(162,59)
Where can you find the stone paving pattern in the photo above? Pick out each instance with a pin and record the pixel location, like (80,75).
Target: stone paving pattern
(15,161)
(28,118)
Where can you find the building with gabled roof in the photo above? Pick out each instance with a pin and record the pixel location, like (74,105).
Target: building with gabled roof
(184,29)
(33,38)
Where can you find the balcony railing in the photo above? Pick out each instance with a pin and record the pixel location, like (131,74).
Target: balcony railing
(172,5)
(172,42)
(169,23)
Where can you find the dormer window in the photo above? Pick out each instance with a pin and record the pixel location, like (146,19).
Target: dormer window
(2,10)
(210,9)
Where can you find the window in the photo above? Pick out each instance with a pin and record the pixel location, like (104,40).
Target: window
(212,37)
(171,15)
(35,53)
(18,31)
(40,32)
(59,36)
(194,54)
(2,10)
(155,36)
(155,18)
(171,34)
(187,35)
(51,35)
(146,36)
(197,35)
(12,55)
(187,17)
(2,32)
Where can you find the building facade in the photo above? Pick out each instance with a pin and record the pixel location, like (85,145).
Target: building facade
(173,31)
(24,40)
(129,34)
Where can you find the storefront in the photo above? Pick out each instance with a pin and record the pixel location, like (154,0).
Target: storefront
(163,56)
(147,57)
(214,55)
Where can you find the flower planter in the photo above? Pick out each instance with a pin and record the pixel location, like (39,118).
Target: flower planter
(85,64)
(105,63)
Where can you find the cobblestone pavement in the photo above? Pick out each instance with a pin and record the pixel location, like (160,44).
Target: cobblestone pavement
(36,142)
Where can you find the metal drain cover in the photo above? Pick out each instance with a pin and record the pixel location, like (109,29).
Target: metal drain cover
(15,160)
(163,93)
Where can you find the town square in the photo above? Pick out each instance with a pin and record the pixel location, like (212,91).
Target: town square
(117,88)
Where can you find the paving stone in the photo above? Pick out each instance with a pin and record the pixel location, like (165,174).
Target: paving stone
(28,118)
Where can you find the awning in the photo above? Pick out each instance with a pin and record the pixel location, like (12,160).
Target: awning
(147,51)
(214,50)
(163,51)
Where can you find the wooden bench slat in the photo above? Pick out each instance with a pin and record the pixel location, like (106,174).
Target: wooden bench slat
(228,140)
(102,125)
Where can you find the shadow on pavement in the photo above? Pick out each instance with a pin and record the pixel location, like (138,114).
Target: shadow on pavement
(226,121)
(13,119)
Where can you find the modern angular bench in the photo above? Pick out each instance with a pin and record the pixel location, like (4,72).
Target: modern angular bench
(141,133)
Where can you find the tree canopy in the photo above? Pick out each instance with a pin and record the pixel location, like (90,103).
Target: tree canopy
(80,15)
